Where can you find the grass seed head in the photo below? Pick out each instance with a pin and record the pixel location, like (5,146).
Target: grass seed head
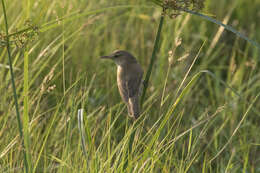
(173,8)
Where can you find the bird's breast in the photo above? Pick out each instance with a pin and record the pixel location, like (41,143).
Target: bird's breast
(121,73)
(121,83)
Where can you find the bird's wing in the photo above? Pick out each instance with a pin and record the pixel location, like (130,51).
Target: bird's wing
(133,85)
(123,90)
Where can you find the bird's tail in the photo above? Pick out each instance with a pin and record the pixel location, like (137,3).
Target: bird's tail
(133,107)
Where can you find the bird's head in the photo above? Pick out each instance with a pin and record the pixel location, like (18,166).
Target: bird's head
(121,57)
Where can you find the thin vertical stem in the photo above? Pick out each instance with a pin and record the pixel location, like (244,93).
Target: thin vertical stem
(26,117)
(14,89)
(155,50)
(63,55)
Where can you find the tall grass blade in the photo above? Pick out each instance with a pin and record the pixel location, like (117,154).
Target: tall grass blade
(236,129)
(155,50)
(63,56)
(169,113)
(227,27)
(26,118)
(73,16)
(81,131)
(14,89)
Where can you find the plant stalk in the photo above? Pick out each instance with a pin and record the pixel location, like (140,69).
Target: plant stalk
(155,50)
(14,90)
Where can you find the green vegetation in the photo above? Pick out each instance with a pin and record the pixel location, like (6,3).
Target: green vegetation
(201,111)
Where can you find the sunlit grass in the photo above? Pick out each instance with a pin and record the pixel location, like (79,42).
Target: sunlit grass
(200,113)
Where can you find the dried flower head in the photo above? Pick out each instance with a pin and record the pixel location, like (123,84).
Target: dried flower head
(170,57)
(173,8)
(171,53)
(178,41)
(22,37)
(50,88)
(2,39)
(183,57)
(47,80)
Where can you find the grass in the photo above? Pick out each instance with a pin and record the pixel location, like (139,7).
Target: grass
(201,112)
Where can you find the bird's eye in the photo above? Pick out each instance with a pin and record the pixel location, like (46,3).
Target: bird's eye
(117,55)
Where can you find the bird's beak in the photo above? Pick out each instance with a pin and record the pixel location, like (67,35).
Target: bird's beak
(106,57)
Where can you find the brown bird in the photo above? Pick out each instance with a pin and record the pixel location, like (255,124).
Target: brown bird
(129,80)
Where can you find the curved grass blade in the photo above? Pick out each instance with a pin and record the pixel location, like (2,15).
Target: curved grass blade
(227,27)
(169,113)
(236,129)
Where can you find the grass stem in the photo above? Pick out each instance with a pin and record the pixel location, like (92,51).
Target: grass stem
(14,90)
(155,50)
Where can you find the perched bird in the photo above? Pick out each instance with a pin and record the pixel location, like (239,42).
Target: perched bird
(129,79)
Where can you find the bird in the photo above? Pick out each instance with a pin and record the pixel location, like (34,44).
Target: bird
(129,80)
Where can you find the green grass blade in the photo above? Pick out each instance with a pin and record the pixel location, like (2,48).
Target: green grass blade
(236,129)
(71,17)
(26,118)
(169,113)
(155,50)
(14,90)
(227,27)
(81,131)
